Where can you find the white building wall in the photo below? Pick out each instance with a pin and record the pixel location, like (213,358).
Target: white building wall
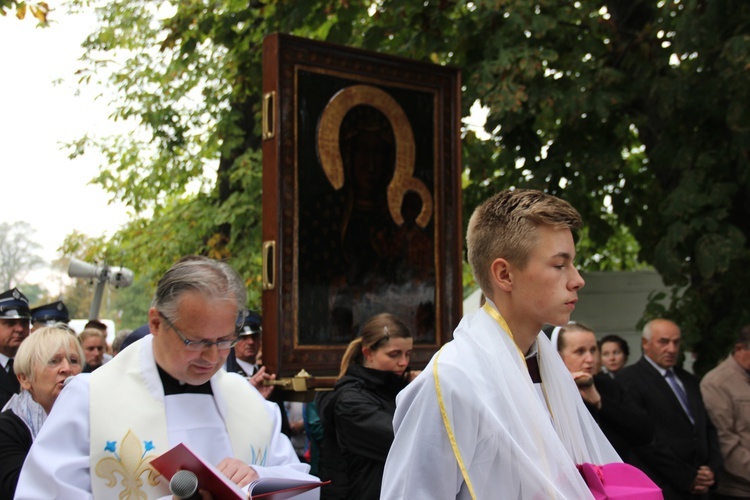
(610,303)
(614,302)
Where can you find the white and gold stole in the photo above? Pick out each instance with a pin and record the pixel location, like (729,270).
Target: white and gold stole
(129,424)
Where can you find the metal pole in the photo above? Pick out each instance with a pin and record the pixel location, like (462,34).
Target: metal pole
(99,293)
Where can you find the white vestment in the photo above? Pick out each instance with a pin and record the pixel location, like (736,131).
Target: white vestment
(58,464)
(507,444)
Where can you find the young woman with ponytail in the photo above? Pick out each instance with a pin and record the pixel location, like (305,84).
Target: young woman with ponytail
(357,415)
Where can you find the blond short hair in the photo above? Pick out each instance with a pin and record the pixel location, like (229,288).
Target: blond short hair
(41,346)
(504,226)
(87,333)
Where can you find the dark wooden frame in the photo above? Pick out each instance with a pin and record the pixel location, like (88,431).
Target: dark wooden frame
(285,58)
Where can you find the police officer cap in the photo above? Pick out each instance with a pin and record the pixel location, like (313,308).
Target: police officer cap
(251,326)
(50,314)
(13,304)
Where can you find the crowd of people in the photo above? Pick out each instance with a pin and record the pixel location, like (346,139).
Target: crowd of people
(512,407)
(166,388)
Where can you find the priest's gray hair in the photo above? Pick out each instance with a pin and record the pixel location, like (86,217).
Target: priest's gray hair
(215,280)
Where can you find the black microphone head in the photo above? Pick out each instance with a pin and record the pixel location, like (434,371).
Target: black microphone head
(183,484)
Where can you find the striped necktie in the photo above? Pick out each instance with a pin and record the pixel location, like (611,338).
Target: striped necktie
(679,392)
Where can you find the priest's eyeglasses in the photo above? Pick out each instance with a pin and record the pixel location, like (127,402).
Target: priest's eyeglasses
(199,345)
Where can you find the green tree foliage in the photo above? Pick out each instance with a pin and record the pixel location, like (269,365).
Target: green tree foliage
(130,305)
(35,293)
(127,307)
(633,110)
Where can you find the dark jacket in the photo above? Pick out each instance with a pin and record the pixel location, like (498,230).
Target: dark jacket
(679,447)
(357,432)
(15,442)
(624,424)
(9,385)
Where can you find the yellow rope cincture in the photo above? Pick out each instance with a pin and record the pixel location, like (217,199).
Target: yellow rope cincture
(446,422)
(504,325)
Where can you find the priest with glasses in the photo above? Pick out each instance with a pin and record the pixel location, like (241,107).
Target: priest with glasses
(167,388)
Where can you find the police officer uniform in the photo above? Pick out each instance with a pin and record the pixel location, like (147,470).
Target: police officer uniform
(13,306)
(49,315)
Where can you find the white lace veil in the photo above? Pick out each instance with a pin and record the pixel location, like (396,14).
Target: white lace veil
(536,456)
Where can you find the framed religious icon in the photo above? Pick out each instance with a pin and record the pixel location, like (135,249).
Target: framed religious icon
(361,201)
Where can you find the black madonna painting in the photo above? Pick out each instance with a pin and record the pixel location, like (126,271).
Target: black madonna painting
(366,202)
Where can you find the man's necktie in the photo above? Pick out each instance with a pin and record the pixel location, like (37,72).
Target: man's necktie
(13,379)
(680,393)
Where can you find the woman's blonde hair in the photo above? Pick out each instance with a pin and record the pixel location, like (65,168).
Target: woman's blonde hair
(87,333)
(374,334)
(42,345)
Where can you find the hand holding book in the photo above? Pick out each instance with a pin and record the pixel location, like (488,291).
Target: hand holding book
(211,480)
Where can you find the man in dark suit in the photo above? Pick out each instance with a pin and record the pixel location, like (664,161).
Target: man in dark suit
(684,454)
(14,328)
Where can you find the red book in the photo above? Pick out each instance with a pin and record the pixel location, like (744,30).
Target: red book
(275,488)
(209,478)
(181,457)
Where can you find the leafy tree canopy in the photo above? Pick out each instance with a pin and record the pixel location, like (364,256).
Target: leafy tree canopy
(127,307)
(633,110)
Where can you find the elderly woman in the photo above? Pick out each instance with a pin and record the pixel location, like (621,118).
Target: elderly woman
(43,362)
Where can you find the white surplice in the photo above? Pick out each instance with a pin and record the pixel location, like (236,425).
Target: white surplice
(508,445)
(58,463)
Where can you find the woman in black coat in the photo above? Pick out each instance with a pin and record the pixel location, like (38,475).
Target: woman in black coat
(621,421)
(43,362)
(357,415)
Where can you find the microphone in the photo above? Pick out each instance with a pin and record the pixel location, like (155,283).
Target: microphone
(184,484)
(68,380)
